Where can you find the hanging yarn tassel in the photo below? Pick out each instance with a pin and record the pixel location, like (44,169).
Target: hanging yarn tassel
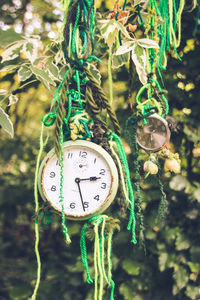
(131,133)
(132,222)
(101,229)
(37,237)
(163,206)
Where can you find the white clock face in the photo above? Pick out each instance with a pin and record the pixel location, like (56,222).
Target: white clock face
(90,179)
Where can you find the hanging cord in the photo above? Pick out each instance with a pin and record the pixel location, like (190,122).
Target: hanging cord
(196,4)
(132,221)
(131,134)
(42,145)
(113,148)
(152,104)
(103,228)
(78,32)
(100,98)
(163,206)
(64,227)
(110,76)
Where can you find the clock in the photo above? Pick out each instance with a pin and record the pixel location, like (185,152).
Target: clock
(90,179)
(153,135)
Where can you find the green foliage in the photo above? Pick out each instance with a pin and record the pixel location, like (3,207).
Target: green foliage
(170,269)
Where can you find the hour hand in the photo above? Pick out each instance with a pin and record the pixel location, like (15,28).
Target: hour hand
(92,178)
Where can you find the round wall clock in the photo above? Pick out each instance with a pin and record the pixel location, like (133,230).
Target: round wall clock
(154,135)
(90,179)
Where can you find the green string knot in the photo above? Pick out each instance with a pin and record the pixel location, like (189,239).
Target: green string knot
(49,119)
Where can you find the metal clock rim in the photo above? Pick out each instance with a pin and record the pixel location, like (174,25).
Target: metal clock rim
(113,171)
(158,117)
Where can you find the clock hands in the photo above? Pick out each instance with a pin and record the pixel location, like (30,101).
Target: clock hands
(78,180)
(92,178)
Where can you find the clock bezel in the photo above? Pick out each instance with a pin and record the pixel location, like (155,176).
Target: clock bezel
(112,168)
(165,123)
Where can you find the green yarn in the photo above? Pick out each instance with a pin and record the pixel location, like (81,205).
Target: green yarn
(131,134)
(132,221)
(42,145)
(102,236)
(84,253)
(64,227)
(110,75)
(120,167)
(163,206)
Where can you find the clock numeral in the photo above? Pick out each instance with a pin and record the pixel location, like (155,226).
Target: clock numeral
(83,154)
(52,174)
(102,172)
(69,155)
(96,197)
(53,188)
(58,163)
(72,205)
(103,185)
(86,204)
(95,161)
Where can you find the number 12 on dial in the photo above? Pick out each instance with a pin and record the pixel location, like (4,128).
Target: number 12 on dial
(90,179)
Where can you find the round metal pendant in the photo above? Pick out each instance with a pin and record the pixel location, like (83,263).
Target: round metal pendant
(154,135)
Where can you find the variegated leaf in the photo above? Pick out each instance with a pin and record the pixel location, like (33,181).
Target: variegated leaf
(13,51)
(24,73)
(12,99)
(6,123)
(30,49)
(139,58)
(147,43)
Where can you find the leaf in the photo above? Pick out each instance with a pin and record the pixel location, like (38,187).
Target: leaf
(139,58)
(194,267)
(30,49)
(193,292)
(178,183)
(197,195)
(24,73)
(131,267)
(12,99)
(147,43)
(95,72)
(3,92)
(110,30)
(52,69)
(181,242)
(126,47)
(43,76)
(6,123)
(136,2)
(8,37)
(13,51)
(181,276)
(127,292)
(20,292)
(162,261)
(9,68)
(119,60)
(123,30)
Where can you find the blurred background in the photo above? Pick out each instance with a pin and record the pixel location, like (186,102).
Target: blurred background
(169,270)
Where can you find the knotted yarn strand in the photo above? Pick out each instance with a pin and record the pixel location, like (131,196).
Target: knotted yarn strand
(42,145)
(124,186)
(132,221)
(84,253)
(64,227)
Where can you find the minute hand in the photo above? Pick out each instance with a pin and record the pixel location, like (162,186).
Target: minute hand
(92,178)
